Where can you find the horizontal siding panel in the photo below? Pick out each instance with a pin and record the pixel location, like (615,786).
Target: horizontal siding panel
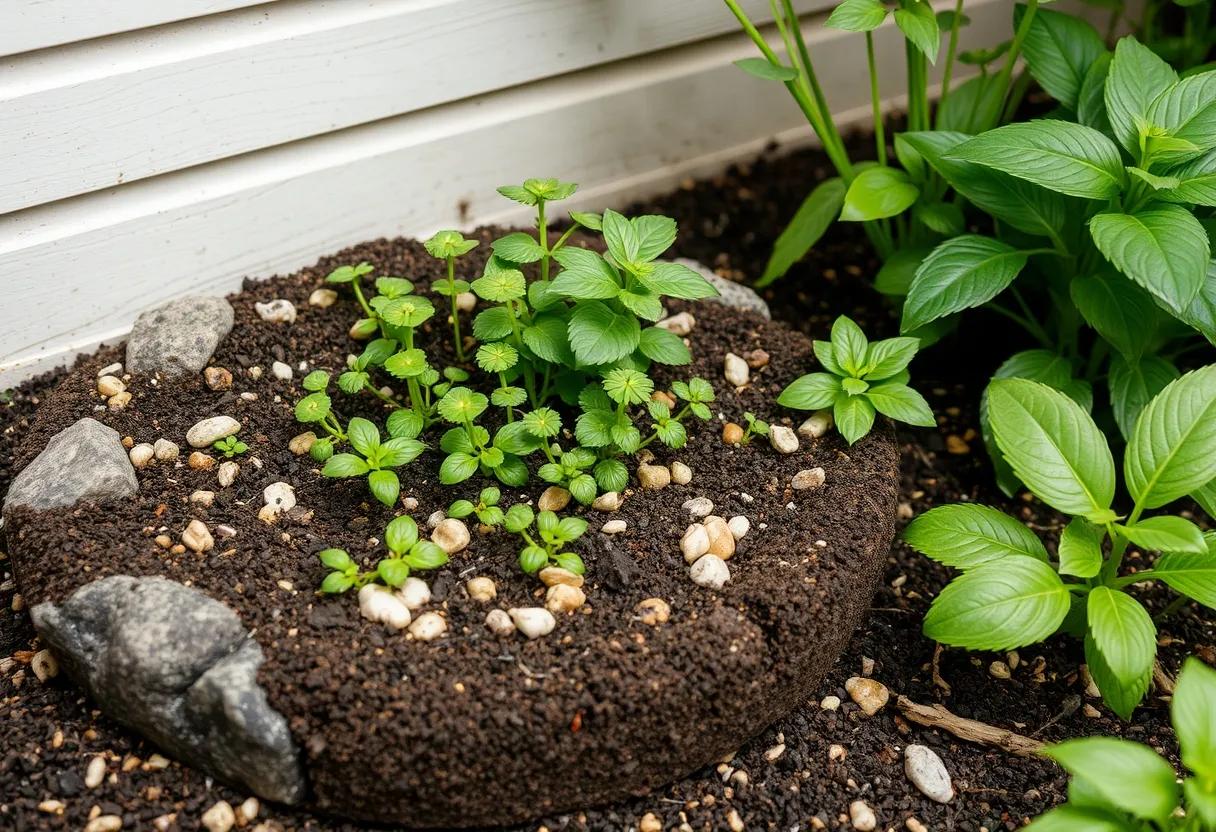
(94,115)
(622,131)
(37,24)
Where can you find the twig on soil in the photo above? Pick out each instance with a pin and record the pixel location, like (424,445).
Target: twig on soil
(936,716)
(938,679)
(1163,680)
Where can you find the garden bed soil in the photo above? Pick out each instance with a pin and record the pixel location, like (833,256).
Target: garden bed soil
(804,771)
(473,729)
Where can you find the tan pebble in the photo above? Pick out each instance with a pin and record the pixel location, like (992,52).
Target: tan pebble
(756,358)
(118,402)
(409,503)
(555,576)
(773,754)
(52,807)
(1090,711)
(248,810)
(466,301)
(955,444)
(553,498)
(217,378)
(499,623)
(654,611)
(680,324)
(202,498)
(220,817)
(482,589)
(914,825)
(199,461)
(654,477)
(227,474)
(141,455)
(95,772)
(614,527)
(197,537)
(1091,688)
(862,816)
(783,440)
(732,434)
(829,702)
(734,821)
(735,370)
(564,598)
(721,541)
(867,666)
(816,425)
(104,823)
(808,479)
(739,526)
(695,542)
(650,823)
(166,451)
(451,535)
(681,474)
(302,443)
(533,622)
(428,626)
(664,397)
(870,694)
(837,752)
(322,298)
(44,665)
(999,669)
(156,762)
(110,386)
(608,501)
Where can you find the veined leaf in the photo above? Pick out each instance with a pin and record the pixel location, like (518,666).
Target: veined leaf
(857,16)
(811,220)
(1000,605)
(1196,180)
(876,193)
(918,22)
(1123,632)
(1091,105)
(1163,248)
(854,417)
(1193,712)
(1166,533)
(965,535)
(900,402)
(1188,110)
(1191,574)
(1172,449)
(1127,775)
(601,335)
(1133,385)
(967,107)
(959,274)
(1068,158)
(1053,446)
(1081,549)
(1120,311)
(1137,77)
(1201,314)
(1059,49)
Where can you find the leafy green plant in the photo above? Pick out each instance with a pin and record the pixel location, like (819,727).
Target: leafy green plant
(862,380)
(754,427)
(376,459)
(544,544)
(485,509)
(316,408)
(406,553)
(1012,593)
(230,446)
(447,246)
(1122,786)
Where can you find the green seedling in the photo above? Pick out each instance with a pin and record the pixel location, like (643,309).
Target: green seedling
(406,554)
(486,508)
(545,545)
(376,459)
(447,246)
(230,446)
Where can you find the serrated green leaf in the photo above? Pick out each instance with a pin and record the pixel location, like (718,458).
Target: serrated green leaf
(1091,103)
(600,335)
(662,346)
(1163,248)
(964,536)
(1188,111)
(676,280)
(999,605)
(959,274)
(547,337)
(518,247)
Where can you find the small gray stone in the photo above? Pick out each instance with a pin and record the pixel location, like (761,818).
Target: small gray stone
(206,433)
(180,668)
(928,773)
(179,337)
(83,462)
(732,294)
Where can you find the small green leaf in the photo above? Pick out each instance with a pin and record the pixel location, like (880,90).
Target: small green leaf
(857,16)
(878,192)
(344,465)
(518,247)
(676,280)
(426,555)
(1134,384)
(316,381)
(854,417)
(663,346)
(585,275)
(1081,549)
(1127,775)
(919,24)
(336,559)
(959,274)
(762,68)
(1166,533)
(312,408)
(999,605)
(901,403)
(1123,633)
(1137,77)
(336,583)
(457,467)
(363,435)
(600,335)
(400,534)
(964,536)
(1121,312)
(448,243)
(1192,575)
(385,486)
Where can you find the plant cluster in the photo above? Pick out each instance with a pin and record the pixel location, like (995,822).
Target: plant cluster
(406,554)
(862,380)
(1012,593)
(230,447)
(1120,785)
(545,538)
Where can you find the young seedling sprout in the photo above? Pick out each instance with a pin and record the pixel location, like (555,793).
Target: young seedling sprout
(447,246)
(485,509)
(406,553)
(545,547)
(230,446)
(374,458)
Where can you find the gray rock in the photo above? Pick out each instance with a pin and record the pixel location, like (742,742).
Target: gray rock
(83,462)
(178,667)
(732,294)
(179,337)
(928,773)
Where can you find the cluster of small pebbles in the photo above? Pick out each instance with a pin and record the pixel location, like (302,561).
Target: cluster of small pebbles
(709,542)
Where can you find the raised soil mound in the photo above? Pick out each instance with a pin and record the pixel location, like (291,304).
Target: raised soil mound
(473,729)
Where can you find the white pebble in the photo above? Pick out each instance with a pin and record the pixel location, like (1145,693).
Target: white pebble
(141,454)
(166,451)
(110,369)
(614,527)
(695,542)
(681,474)
(435,519)
(928,773)
(739,526)
(202,498)
(830,702)
(197,537)
(533,622)
(207,432)
(698,507)
(219,818)
(414,593)
(451,535)
(680,324)
(104,823)
(226,476)
(499,623)
(281,371)
(710,571)
(466,302)
(378,604)
(816,425)
(783,440)
(429,626)
(277,311)
(735,370)
(862,816)
(808,479)
(95,773)
(278,497)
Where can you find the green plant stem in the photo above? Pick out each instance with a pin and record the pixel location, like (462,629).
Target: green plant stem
(502,381)
(918,93)
(678,417)
(1119,544)
(379,394)
(542,234)
(561,241)
(1031,326)
(880,139)
(991,119)
(367,310)
(951,49)
(455,314)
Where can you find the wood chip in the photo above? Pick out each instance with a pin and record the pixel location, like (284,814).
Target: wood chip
(936,716)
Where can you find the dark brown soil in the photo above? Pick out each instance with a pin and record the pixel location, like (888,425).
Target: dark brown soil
(475,729)
(728,221)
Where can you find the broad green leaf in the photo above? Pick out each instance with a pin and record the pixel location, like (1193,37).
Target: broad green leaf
(1059,155)
(1192,575)
(850,347)
(1053,446)
(943,217)
(344,465)
(1206,497)
(600,335)
(1123,633)
(492,324)
(585,275)
(620,237)
(964,536)
(655,234)
(1080,549)
(1128,775)
(918,22)
(1137,77)
(385,486)
(811,220)
(1059,49)
(642,302)
(1025,206)
(1163,248)
(1091,103)
(363,435)
(959,274)
(854,417)
(889,356)
(813,391)
(675,280)
(1166,533)
(901,403)
(1188,111)
(1193,713)
(548,338)
(1201,314)
(1172,449)
(1196,180)
(999,605)
(664,347)
(1069,818)
(518,247)
(400,451)
(1120,311)
(762,68)
(857,16)
(878,192)
(1133,385)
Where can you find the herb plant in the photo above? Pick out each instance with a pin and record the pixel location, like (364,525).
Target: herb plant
(754,427)
(1012,593)
(376,459)
(406,553)
(447,246)
(230,446)
(862,380)
(485,509)
(1120,785)
(544,543)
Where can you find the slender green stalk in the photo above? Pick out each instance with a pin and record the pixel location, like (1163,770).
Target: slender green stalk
(821,100)
(455,312)
(880,139)
(542,233)
(918,93)
(367,310)
(996,107)
(951,50)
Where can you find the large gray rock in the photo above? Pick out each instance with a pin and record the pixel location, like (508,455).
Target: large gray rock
(733,294)
(179,337)
(85,461)
(179,667)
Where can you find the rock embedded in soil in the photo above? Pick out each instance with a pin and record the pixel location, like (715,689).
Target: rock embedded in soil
(862,816)
(451,535)
(816,425)
(178,338)
(180,668)
(165,451)
(680,324)
(710,572)
(721,540)
(482,589)
(277,311)
(654,611)
(653,477)
(870,695)
(808,479)
(141,455)
(533,622)
(735,370)
(734,295)
(381,605)
(553,498)
(564,598)
(681,474)
(83,462)
(783,440)
(698,507)
(928,773)
(608,501)
(207,432)
(499,623)
(695,542)
(428,626)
